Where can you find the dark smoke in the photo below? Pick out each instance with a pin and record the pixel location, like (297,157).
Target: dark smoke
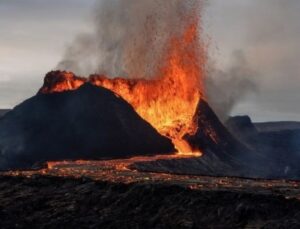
(129,37)
(225,88)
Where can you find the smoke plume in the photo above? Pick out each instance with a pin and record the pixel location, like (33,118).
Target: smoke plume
(129,37)
(268,32)
(225,88)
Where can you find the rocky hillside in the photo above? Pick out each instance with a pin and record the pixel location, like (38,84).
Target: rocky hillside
(89,123)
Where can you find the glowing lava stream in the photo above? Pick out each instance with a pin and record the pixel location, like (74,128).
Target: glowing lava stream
(117,171)
(169,100)
(120,164)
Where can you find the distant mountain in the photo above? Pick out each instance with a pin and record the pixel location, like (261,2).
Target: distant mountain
(276,126)
(242,128)
(278,141)
(88,123)
(238,124)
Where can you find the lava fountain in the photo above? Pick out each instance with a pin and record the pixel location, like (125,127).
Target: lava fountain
(168,100)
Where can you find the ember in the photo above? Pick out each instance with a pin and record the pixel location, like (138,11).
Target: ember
(168,102)
(119,171)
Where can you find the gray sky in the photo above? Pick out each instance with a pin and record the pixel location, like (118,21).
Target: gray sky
(34,34)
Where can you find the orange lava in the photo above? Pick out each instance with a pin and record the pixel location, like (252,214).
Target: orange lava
(121,164)
(119,171)
(168,101)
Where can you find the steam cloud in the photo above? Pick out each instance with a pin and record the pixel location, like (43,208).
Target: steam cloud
(226,88)
(268,32)
(129,37)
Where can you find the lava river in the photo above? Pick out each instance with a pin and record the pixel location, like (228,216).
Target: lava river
(122,171)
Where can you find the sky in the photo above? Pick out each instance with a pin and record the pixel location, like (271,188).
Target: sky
(35,33)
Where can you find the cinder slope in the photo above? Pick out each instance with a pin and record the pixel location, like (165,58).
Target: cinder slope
(88,123)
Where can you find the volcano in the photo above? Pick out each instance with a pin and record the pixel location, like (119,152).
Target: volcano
(89,123)
(74,118)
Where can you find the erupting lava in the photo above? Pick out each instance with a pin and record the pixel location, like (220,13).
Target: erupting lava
(168,101)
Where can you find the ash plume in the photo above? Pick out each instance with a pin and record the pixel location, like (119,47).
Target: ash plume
(226,88)
(129,37)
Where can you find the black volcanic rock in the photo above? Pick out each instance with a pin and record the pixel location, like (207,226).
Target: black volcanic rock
(217,143)
(223,154)
(212,135)
(242,128)
(243,151)
(51,202)
(3,112)
(88,123)
(276,141)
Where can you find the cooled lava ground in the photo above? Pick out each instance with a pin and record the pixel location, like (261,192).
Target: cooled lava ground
(122,171)
(41,201)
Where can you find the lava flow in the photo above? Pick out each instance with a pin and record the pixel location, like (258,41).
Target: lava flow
(119,171)
(168,101)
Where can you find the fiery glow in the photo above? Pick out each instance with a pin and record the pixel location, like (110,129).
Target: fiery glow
(119,171)
(61,81)
(169,100)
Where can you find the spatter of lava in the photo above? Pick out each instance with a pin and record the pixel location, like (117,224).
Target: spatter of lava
(168,101)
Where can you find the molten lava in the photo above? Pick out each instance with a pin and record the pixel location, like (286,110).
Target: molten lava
(168,101)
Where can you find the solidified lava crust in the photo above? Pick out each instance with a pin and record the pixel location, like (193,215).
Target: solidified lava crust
(52,202)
